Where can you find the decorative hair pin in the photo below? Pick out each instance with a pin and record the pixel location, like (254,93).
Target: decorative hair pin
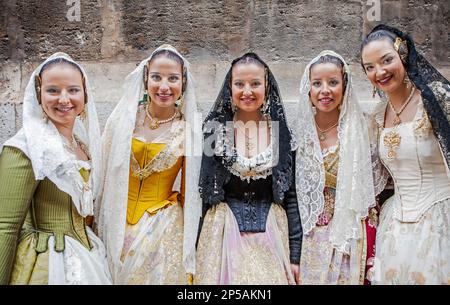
(397,43)
(402,49)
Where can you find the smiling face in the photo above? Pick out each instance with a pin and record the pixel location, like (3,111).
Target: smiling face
(62,94)
(383,65)
(165,81)
(327,87)
(248,86)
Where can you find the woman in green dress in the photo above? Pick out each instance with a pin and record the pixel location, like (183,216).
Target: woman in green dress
(49,177)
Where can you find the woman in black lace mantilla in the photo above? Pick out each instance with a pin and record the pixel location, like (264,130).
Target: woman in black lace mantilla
(251,230)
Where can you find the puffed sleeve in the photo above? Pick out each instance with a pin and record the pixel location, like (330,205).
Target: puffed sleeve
(17,185)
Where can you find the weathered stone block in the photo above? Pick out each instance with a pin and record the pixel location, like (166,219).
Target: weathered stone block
(46,29)
(7,122)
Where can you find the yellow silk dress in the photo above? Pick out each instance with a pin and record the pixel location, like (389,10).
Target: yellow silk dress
(152,251)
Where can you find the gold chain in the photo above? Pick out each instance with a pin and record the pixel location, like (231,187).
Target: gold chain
(323,133)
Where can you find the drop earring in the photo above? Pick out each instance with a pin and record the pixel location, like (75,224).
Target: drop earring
(374,91)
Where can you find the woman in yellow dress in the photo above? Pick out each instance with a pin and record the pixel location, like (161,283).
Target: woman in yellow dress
(147,144)
(50,173)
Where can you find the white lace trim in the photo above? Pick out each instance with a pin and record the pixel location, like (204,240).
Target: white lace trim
(257,167)
(254,168)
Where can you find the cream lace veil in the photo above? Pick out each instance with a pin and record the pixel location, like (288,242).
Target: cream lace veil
(41,142)
(116,150)
(354,190)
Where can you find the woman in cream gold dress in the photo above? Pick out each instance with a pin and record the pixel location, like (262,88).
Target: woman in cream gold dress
(412,125)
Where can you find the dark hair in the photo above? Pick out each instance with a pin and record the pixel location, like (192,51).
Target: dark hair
(252,58)
(378,35)
(58,61)
(247,58)
(333,60)
(389,36)
(168,54)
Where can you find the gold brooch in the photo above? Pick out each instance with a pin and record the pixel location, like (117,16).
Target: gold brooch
(392,141)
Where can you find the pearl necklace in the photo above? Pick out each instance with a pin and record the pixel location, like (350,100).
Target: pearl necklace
(392,139)
(154,123)
(397,119)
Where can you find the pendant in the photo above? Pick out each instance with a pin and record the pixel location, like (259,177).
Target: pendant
(397,120)
(249,145)
(154,124)
(322,136)
(392,141)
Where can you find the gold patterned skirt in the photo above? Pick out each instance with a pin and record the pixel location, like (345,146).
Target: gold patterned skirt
(413,253)
(227,256)
(153,250)
(322,264)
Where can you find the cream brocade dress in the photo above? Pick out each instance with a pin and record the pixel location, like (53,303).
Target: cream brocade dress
(153,247)
(413,237)
(320,263)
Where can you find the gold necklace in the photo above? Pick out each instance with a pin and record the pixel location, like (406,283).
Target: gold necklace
(323,133)
(248,144)
(392,139)
(397,119)
(154,123)
(71,145)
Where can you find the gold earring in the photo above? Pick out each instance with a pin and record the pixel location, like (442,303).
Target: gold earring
(44,116)
(233,106)
(407,81)
(83,115)
(179,104)
(374,91)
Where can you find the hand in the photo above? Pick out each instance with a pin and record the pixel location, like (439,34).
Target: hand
(295,268)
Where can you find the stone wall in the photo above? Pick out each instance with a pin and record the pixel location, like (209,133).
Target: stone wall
(111,36)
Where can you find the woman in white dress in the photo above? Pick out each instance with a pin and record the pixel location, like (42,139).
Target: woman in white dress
(413,131)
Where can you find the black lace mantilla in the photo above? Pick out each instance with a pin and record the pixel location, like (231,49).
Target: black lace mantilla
(434,88)
(214,173)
